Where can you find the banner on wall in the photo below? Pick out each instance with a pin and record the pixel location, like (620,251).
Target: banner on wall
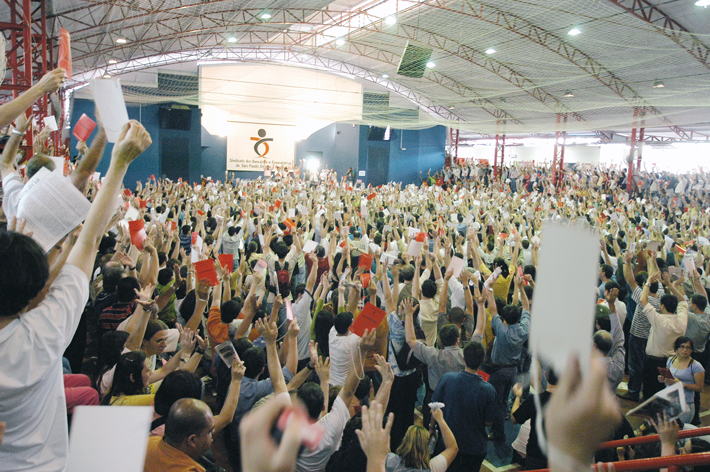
(254,146)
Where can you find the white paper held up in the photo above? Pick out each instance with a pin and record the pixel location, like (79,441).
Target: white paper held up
(108,97)
(310,246)
(563,312)
(52,207)
(109,439)
(456,265)
(415,248)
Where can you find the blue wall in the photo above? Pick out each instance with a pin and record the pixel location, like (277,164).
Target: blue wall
(147,163)
(341,145)
(410,152)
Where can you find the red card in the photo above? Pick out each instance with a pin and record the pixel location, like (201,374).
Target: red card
(503,236)
(152,176)
(194,237)
(365,262)
(205,270)
(200,212)
(365,279)
(484,375)
(277,204)
(371,196)
(179,179)
(369,318)
(227,261)
(173,225)
(138,235)
(83,128)
(65,51)
(289,222)
(420,237)
(143,203)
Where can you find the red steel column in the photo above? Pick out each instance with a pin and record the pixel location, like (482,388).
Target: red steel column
(495,159)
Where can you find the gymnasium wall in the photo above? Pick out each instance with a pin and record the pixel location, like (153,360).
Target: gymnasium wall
(194,153)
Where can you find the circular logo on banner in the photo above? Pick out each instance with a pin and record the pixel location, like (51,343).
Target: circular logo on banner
(261,140)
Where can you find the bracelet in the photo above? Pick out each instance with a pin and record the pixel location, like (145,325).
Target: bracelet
(310,366)
(199,350)
(131,268)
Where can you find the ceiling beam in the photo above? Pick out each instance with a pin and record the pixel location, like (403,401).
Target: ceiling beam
(668,27)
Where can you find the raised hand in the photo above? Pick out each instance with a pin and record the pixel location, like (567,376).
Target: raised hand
(384,369)
(374,439)
(52,80)
(132,141)
(268,331)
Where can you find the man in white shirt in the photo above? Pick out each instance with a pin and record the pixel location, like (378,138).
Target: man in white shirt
(611,294)
(342,345)
(32,340)
(334,422)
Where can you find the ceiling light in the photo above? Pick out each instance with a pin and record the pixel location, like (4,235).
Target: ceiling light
(574,32)
(569,95)
(232,39)
(658,84)
(107,75)
(112,61)
(339,42)
(385,76)
(430,65)
(703,3)
(265,16)
(451,107)
(121,40)
(390,20)
(490,51)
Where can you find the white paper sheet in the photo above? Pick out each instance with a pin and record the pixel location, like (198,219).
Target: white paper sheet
(456,264)
(415,248)
(51,123)
(310,246)
(389,258)
(52,207)
(108,97)
(109,439)
(58,164)
(563,312)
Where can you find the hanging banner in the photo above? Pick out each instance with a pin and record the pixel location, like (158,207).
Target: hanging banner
(256,146)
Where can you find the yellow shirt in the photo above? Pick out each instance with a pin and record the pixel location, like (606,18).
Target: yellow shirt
(133,400)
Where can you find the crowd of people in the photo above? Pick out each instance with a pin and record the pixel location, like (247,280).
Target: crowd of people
(357,344)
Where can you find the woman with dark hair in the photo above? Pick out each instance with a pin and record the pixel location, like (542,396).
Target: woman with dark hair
(321,329)
(687,370)
(110,350)
(413,454)
(130,381)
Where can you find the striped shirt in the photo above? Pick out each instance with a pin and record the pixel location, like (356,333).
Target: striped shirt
(640,326)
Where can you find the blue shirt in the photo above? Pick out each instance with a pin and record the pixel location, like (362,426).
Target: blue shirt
(509,341)
(469,406)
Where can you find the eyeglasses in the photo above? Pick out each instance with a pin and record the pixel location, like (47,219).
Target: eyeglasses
(684,346)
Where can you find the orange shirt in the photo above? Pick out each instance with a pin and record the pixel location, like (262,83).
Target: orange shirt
(162,457)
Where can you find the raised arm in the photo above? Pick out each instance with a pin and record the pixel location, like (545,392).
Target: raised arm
(447,436)
(50,82)
(88,164)
(365,344)
(409,334)
(134,139)
(269,331)
(226,414)
(13,144)
(628,271)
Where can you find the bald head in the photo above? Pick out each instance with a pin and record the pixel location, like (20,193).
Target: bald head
(187,417)
(602,340)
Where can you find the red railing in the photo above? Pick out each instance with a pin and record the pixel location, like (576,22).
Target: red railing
(670,462)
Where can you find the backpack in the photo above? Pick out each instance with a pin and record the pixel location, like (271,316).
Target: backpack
(283,279)
(405,357)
